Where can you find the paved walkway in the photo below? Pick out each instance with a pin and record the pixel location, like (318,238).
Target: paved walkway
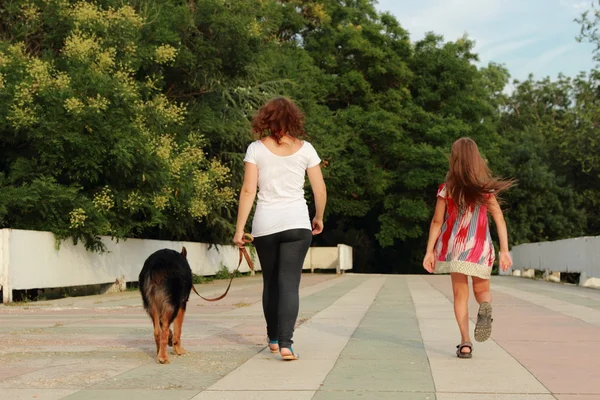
(360,337)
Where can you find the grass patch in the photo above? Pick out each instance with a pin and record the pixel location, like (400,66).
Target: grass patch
(222,274)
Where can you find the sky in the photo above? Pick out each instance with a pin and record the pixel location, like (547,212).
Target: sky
(527,36)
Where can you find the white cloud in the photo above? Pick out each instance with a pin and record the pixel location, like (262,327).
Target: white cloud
(539,63)
(579,5)
(493,52)
(528,36)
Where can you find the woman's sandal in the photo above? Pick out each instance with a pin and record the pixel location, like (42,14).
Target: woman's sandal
(291,356)
(483,328)
(274,346)
(462,354)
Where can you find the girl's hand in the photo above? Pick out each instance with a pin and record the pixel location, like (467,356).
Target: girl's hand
(238,239)
(505,260)
(429,262)
(317,225)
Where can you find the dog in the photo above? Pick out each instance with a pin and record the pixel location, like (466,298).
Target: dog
(165,284)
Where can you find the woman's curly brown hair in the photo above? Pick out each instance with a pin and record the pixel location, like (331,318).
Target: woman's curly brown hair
(278,117)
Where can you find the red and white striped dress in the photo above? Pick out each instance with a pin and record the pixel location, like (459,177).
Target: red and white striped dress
(464,245)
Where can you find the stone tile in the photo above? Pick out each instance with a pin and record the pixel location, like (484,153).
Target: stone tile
(136,394)
(568,367)
(276,375)
(188,372)
(37,394)
(372,395)
(68,372)
(495,369)
(366,349)
(259,395)
(481,396)
(385,375)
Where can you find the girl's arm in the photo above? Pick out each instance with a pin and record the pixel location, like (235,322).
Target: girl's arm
(247,196)
(315,176)
(498,217)
(496,212)
(436,224)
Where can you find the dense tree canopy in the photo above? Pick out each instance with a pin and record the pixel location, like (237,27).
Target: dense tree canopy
(131,119)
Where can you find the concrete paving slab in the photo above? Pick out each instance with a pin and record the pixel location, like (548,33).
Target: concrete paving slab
(378,362)
(541,332)
(259,395)
(132,394)
(368,349)
(307,373)
(372,395)
(37,394)
(67,372)
(495,369)
(401,375)
(584,313)
(276,375)
(487,396)
(359,337)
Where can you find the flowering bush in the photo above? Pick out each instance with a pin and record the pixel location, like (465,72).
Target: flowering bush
(90,143)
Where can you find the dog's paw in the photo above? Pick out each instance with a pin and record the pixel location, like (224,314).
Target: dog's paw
(179,350)
(164,360)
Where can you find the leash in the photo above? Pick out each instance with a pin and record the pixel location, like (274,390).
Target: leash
(247,238)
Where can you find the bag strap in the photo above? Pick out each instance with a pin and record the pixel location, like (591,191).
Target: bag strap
(247,238)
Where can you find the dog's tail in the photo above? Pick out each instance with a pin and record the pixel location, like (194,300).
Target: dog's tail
(159,304)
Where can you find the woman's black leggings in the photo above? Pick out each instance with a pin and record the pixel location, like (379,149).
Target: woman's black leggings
(281,258)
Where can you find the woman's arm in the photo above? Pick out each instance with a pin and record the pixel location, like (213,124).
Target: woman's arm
(315,176)
(247,196)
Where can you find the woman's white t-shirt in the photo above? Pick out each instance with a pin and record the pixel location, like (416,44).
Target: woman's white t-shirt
(281,204)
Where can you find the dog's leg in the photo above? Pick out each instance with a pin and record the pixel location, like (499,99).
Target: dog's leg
(156,323)
(177,324)
(163,357)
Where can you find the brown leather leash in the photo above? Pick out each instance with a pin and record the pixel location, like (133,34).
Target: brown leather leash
(247,238)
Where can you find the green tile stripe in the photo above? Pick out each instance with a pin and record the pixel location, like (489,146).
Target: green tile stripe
(385,357)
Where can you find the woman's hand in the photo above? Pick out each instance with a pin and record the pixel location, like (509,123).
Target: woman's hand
(238,239)
(317,225)
(429,262)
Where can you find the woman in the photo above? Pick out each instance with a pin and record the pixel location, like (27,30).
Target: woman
(277,163)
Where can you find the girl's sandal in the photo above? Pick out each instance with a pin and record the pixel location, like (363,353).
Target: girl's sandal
(291,356)
(483,328)
(274,346)
(462,354)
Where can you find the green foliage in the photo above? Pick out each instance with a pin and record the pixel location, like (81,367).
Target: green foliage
(90,143)
(131,119)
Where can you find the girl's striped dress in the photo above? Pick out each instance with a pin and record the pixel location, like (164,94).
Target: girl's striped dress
(464,245)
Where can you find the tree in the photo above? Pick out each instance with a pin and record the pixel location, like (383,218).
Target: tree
(90,145)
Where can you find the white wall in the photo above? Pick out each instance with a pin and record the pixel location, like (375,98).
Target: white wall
(30,260)
(580,255)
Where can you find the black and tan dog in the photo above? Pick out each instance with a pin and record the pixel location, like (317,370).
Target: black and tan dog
(165,283)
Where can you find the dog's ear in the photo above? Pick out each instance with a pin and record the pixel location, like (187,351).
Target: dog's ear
(184,252)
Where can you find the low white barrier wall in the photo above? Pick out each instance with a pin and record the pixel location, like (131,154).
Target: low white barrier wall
(581,255)
(30,260)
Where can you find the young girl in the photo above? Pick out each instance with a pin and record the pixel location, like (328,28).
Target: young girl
(459,237)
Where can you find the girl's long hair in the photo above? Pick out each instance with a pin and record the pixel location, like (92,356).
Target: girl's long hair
(469,181)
